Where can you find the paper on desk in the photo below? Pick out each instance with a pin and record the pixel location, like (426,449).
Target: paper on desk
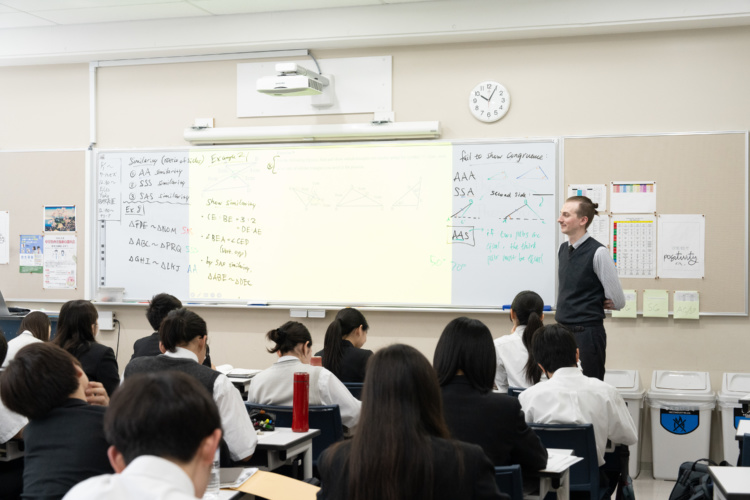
(655,304)
(244,476)
(629,311)
(559,463)
(277,487)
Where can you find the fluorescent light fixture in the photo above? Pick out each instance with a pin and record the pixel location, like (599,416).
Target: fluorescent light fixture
(303,133)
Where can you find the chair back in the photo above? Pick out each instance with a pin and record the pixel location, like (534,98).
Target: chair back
(325,418)
(510,481)
(515,391)
(745,455)
(355,388)
(584,476)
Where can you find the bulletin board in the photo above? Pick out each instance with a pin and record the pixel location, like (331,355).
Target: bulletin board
(31,180)
(697,173)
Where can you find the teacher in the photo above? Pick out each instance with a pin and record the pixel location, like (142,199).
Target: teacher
(587,284)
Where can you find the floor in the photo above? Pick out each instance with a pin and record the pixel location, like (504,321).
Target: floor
(647,488)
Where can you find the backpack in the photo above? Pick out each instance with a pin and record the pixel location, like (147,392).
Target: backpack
(694,481)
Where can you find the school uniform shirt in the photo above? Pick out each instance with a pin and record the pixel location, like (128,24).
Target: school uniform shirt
(99,364)
(353,362)
(275,386)
(570,397)
(16,344)
(10,423)
(145,478)
(511,361)
(149,346)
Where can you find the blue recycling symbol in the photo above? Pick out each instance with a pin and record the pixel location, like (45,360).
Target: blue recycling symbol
(682,422)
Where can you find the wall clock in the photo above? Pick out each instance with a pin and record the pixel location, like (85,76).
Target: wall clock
(489,101)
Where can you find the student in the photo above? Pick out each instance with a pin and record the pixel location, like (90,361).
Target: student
(11,427)
(402,449)
(275,385)
(77,328)
(570,397)
(465,364)
(184,336)
(515,368)
(163,429)
(342,348)
(158,309)
(35,327)
(587,284)
(64,440)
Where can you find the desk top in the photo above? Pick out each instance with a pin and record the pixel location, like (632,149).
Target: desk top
(284,438)
(743,427)
(734,482)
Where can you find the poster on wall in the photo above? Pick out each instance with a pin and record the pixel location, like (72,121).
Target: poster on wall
(681,246)
(60,218)
(634,245)
(31,258)
(4,237)
(60,261)
(597,193)
(633,197)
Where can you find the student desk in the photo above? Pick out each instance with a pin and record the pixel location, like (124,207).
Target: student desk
(743,427)
(283,443)
(731,483)
(556,479)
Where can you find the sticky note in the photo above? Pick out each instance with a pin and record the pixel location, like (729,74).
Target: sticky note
(629,311)
(655,304)
(686,305)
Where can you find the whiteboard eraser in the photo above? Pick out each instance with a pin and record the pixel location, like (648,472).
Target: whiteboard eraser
(316,313)
(297,313)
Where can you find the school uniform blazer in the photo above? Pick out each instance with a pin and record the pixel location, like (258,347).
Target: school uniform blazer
(493,421)
(99,364)
(353,362)
(149,346)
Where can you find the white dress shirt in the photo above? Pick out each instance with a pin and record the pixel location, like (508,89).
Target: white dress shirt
(238,431)
(145,478)
(332,390)
(15,345)
(10,423)
(570,397)
(511,360)
(606,271)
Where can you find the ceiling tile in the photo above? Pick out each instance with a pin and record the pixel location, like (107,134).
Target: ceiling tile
(20,20)
(122,13)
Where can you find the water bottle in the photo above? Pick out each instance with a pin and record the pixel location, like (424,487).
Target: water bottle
(212,489)
(300,402)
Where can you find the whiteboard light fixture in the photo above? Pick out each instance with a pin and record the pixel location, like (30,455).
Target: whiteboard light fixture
(312,133)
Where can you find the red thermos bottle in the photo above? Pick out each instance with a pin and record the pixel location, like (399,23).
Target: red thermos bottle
(300,408)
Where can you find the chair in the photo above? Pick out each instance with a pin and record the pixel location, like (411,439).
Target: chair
(515,391)
(510,481)
(584,476)
(355,388)
(325,418)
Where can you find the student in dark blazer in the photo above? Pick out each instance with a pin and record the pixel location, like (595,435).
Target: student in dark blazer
(402,447)
(342,348)
(77,328)
(465,364)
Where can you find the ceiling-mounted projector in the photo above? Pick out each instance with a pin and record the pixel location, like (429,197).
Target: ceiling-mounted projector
(292,80)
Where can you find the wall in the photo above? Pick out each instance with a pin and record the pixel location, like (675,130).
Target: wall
(620,84)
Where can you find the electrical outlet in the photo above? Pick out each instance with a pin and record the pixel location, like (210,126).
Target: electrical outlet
(106,320)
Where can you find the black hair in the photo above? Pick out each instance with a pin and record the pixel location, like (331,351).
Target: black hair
(3,346)
(466,345)
(75,325)
(288,336)
(528,307)
(554,347)
(159,307)
(40,378)
(586,208)
(346,321)
(165,414)
(37,323)
(180,327)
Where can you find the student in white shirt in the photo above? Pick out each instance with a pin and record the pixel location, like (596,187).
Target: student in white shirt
(570,397)
(35,327)
(163,430)
(275,385)
(515,368)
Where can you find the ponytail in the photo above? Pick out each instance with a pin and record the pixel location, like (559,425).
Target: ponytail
(288,336)
(528,307)
(347,320)
(531,370)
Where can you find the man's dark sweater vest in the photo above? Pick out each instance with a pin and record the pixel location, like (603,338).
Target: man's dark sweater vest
(580,294)
(150,364)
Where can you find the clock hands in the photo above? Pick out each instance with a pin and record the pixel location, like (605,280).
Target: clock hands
(493,93)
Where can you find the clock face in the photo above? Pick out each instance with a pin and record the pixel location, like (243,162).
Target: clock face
(489,101)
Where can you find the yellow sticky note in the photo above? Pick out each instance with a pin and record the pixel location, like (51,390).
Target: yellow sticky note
(686,305)
(655,304)
(629,311)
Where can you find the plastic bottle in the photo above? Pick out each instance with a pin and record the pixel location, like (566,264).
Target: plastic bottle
(212,489)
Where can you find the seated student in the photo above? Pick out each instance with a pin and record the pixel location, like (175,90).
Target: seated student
(163,429)
(275,385)
(570,397)
(11,427)
(184,336)
(465,365)
(77,328)
(158,309)
(35,327)
(342,348)
(515,368)
(402,447)
(64,440)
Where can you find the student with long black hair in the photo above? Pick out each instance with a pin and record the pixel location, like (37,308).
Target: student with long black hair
(342,348)
(403,449)
(465,365)
(515,366)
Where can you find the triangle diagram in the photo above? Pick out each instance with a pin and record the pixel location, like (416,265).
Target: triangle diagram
(411,198)
(535,173)
(523,212)
(356,198)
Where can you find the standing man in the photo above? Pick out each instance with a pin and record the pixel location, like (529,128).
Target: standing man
(587,284)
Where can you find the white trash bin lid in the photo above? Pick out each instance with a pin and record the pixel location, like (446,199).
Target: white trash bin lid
(734,386)
(681,390)
(627,383)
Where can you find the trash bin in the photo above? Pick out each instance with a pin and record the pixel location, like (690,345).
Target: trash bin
(628,384)
(734,387)
(681,405)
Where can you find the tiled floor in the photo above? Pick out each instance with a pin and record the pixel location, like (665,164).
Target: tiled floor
(647,488)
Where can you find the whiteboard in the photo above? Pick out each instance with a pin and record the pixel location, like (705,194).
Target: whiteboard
(421,224)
